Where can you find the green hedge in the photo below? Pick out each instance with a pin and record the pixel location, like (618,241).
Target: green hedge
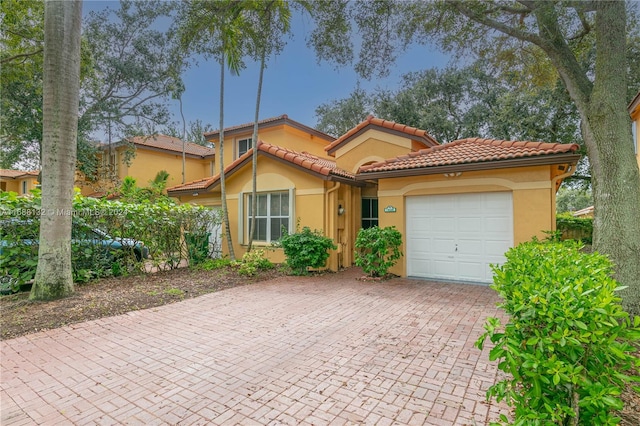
(575,228)
(161,225)
(568,342)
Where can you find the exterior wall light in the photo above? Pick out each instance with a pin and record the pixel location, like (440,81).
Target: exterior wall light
(340,210)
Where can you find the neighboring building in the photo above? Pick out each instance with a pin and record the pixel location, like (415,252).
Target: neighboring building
(142,157)
(459,206)
(18,181)
(634,111)
(587,212)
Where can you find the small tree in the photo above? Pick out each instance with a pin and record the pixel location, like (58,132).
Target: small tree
(306,249)
(378,249)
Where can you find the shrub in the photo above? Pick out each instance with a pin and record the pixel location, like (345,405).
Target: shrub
(159,224)
(211,264)
(568,341)
(378,249)
(305,249)
(252,262)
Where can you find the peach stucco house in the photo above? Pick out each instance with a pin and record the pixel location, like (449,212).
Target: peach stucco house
(18,181)
(142,157)
(634,111)
(459,206)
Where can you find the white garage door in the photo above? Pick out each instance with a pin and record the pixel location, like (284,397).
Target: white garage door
(457,236)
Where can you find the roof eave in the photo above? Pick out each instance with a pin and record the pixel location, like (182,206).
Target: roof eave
(428,141)
(477,166)
(215,135)
(634,103)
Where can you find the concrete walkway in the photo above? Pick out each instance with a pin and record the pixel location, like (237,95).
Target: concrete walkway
(329,350)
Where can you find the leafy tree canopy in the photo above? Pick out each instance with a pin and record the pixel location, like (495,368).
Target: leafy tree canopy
(128,71)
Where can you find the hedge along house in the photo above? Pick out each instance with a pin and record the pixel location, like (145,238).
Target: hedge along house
(459,206)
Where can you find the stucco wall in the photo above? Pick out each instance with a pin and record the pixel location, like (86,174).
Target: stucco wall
(16,185)
(635,117)
(371,146)
(282,135)
(147,163)
(271,176)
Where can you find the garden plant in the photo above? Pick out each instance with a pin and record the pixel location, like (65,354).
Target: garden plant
(378,249)
(568,345)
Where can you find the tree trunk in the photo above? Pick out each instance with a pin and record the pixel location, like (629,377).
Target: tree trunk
(254,175)
(61,88)
(223,189)
(606,130)
(615,176)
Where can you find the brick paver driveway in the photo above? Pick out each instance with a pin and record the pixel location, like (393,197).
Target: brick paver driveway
(317,350)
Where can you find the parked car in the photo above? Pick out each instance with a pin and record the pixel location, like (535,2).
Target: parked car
(92,249)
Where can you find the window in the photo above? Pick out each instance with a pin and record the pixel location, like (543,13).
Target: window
(272,214)
(244,145)
(634,132)
(24,186)
(369,212)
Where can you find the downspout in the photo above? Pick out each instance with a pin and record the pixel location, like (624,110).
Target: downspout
(571,170)
(327,202)
(329,217)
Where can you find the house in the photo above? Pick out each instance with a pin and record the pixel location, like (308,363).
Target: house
(634,111)
(18,181)
(587,212)
(142,157)
(459,206)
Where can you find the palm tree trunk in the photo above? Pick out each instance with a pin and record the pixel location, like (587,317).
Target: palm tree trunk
(254,197)
(61,88)
(223,190)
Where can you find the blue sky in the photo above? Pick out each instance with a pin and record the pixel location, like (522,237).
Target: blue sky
(294,83)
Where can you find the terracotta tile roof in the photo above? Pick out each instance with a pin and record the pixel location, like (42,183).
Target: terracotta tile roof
(195,185)
(14,174)
(303,160)
(267,122)
(170,143)
(469,151)
(411,132)
(583,212)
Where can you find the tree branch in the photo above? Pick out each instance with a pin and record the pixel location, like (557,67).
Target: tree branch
(496,25)
(21,55)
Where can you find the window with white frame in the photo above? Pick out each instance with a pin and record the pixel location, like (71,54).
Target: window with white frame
(272,214)
(24,186)
(244,145)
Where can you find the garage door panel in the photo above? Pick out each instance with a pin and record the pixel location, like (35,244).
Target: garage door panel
(443,268)
(469,271)
(479,225)
(468,247)
(496,224)
(469,224)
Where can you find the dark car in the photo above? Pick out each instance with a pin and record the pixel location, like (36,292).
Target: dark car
(90,247)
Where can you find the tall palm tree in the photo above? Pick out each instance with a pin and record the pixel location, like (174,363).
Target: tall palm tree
(216,29)
(273,21)
(61,90)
